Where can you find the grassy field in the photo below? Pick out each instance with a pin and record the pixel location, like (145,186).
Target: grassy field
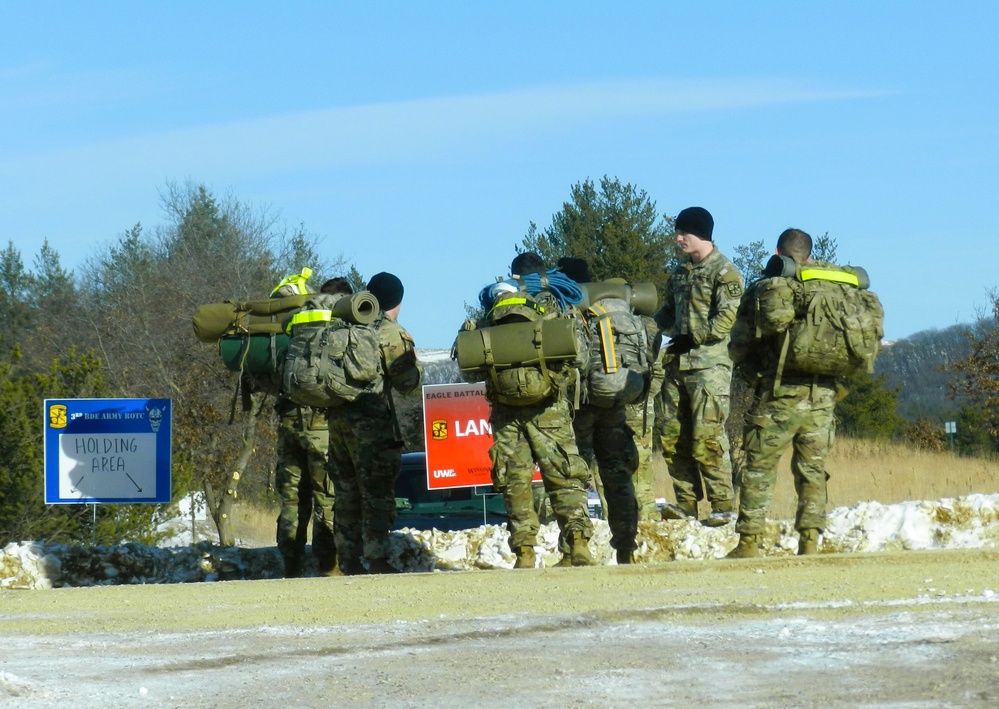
(862,470)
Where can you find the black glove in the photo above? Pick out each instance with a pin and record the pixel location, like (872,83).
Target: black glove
(681,344)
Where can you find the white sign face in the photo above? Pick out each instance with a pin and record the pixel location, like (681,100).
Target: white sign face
(115,465)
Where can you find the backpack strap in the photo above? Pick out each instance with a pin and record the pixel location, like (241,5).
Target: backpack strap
(606,337)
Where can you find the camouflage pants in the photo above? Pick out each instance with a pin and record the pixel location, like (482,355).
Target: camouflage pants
(365,458)
(302,480)
(611,445)
(542,435)
(695,404)
(641,418)
(798,415)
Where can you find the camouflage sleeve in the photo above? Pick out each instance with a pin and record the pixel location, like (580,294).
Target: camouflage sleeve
(727,296)
(402,367)
(665,318)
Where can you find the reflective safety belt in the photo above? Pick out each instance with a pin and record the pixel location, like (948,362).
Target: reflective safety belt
(822,274)
(308,317)
(297,280)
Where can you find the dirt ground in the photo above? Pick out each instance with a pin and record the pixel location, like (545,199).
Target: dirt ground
(912,629)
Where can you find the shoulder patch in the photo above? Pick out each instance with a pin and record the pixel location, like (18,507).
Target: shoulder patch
(734,289)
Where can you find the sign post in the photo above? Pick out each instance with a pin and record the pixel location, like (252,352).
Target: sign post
(107,450)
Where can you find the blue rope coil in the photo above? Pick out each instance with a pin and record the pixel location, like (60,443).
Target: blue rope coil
(559,284)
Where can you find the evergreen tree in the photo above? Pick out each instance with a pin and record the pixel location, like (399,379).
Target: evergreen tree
(616,229)
(868,409)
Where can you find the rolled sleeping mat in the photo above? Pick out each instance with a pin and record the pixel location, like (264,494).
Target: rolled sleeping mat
(359,308)
(643,297)
(513,344)
(261,316)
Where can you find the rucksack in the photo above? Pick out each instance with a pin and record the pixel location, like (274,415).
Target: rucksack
(618,370)
(515,344)
(250,336)
(830,321)
(334,352)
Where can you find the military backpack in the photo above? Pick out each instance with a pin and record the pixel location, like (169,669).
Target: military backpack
(334,352)
(517,345)
(618,371)
(828,320)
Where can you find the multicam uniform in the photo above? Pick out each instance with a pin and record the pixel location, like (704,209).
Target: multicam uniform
(365,453)
(539,434)
(303,482)
(604,436)
(701,302)
(797,412)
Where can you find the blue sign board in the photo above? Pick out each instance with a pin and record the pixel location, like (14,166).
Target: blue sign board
(107,450)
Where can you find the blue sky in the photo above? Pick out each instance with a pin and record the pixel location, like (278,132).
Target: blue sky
(424,138)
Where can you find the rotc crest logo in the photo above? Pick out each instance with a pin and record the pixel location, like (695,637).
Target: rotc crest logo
(57,416)
(438,430)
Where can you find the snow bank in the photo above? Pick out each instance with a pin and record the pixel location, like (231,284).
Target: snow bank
(965,522)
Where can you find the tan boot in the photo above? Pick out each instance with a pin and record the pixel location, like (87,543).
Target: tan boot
(747,548)
(808,542)
(526,558)
(579,554)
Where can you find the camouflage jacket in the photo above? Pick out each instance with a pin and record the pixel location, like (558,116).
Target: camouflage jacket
(402,368)
(701,301)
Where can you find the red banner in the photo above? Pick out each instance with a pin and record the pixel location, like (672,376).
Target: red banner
(458,435)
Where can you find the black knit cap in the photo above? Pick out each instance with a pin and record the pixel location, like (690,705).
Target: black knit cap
(696,221)
(527,263)
(387,288)
(575,268)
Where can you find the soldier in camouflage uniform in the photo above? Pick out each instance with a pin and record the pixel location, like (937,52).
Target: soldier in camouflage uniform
(366,445)
(540,434)
(302,474)
(797,412)
(698,313)
(303,482)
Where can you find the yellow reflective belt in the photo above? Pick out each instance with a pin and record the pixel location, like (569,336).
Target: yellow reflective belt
(306,317)
(821,274)
(297,279)
(606,338)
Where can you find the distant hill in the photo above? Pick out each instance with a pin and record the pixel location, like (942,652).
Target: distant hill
(920,365)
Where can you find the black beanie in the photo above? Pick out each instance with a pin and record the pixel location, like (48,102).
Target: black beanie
(696,221)
(387,288)
(527,263)
(575,268)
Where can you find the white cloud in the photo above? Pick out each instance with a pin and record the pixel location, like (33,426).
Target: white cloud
(399,132)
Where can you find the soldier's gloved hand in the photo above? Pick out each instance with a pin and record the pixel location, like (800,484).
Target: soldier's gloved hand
(681,344)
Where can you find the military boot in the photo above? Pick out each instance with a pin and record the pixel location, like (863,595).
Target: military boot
(688,507)
(579,553)
(808,542)
(625,556)
(525,558)
(747,548)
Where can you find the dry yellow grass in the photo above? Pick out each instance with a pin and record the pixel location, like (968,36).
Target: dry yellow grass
(858,470)
(886,472)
